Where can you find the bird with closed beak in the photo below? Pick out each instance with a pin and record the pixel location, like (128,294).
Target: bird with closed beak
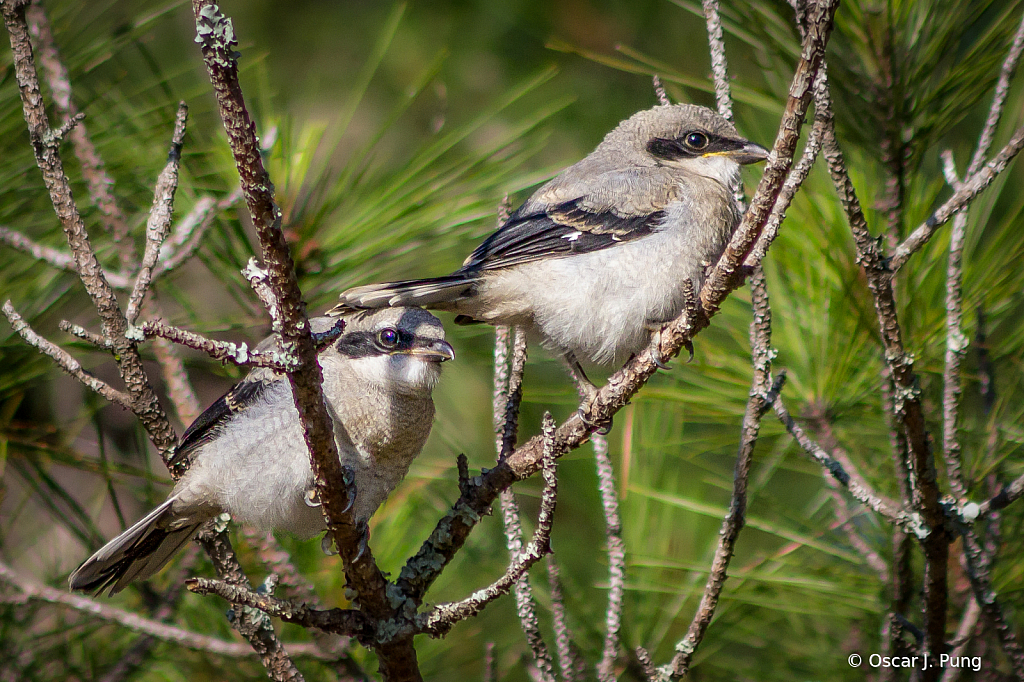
(596,261)
(247,455)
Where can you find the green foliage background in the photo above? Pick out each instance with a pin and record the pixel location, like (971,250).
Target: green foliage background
(394,131)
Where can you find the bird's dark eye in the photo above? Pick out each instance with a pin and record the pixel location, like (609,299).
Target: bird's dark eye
(696,140)
(388,337)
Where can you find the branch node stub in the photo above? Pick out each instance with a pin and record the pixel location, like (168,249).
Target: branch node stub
(323,339)
(53,138)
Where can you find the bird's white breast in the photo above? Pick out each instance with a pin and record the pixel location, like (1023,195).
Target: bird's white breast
(600,305)
(258,469)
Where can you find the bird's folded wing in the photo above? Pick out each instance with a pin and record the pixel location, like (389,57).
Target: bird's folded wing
(592,221)
(205,428)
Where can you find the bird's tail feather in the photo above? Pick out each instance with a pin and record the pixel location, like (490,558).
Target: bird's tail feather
(426,293)
(135,554)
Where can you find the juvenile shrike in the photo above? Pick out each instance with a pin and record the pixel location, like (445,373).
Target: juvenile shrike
(248,457)
(594,262)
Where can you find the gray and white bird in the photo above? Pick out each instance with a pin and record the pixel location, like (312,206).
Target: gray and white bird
(595,261)
(247,454)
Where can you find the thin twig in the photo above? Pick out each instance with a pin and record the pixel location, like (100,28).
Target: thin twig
(346,622)
(860,490)
(719,66)
(511,391)
(616,550)
(970,188)
(489,672)
(1010,492)
(442,617)
(239,354)
(64,359)
(168,633)
(189,232)
(97,179)
(97,340)
(659,91)
(956,341)
(964,631)
(844,520)
(563,638)
(844,517)
(508,394)
(995,111)
(978,571)
(763,392)
(51,256)
(159,222)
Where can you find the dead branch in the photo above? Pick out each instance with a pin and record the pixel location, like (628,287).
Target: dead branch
(442,617)
(64,359)
(763,392)
(169,633)
(239,354)
(616,550)
(114,325)
(159,222)
(346,622)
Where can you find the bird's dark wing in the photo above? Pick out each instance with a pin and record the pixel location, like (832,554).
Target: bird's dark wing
(567,228)
(205,428)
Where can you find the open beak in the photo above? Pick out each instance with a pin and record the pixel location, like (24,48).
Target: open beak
(435,351)
(750,152)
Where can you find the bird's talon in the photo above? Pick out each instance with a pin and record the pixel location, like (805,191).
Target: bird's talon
(656,356)
(348,476)
(327,545)
(364,540)
(600,428)
(311,498)
(688,345)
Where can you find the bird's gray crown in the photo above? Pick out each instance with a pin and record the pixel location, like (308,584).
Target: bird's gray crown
(413,320)
(670,121)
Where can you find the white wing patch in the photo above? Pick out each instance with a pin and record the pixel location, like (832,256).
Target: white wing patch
(572,237)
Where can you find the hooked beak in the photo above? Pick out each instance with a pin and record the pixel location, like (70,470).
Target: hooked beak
(750,152)
(435,351)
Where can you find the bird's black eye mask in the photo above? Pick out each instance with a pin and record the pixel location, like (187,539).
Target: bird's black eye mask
(690,145)
(368,344)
